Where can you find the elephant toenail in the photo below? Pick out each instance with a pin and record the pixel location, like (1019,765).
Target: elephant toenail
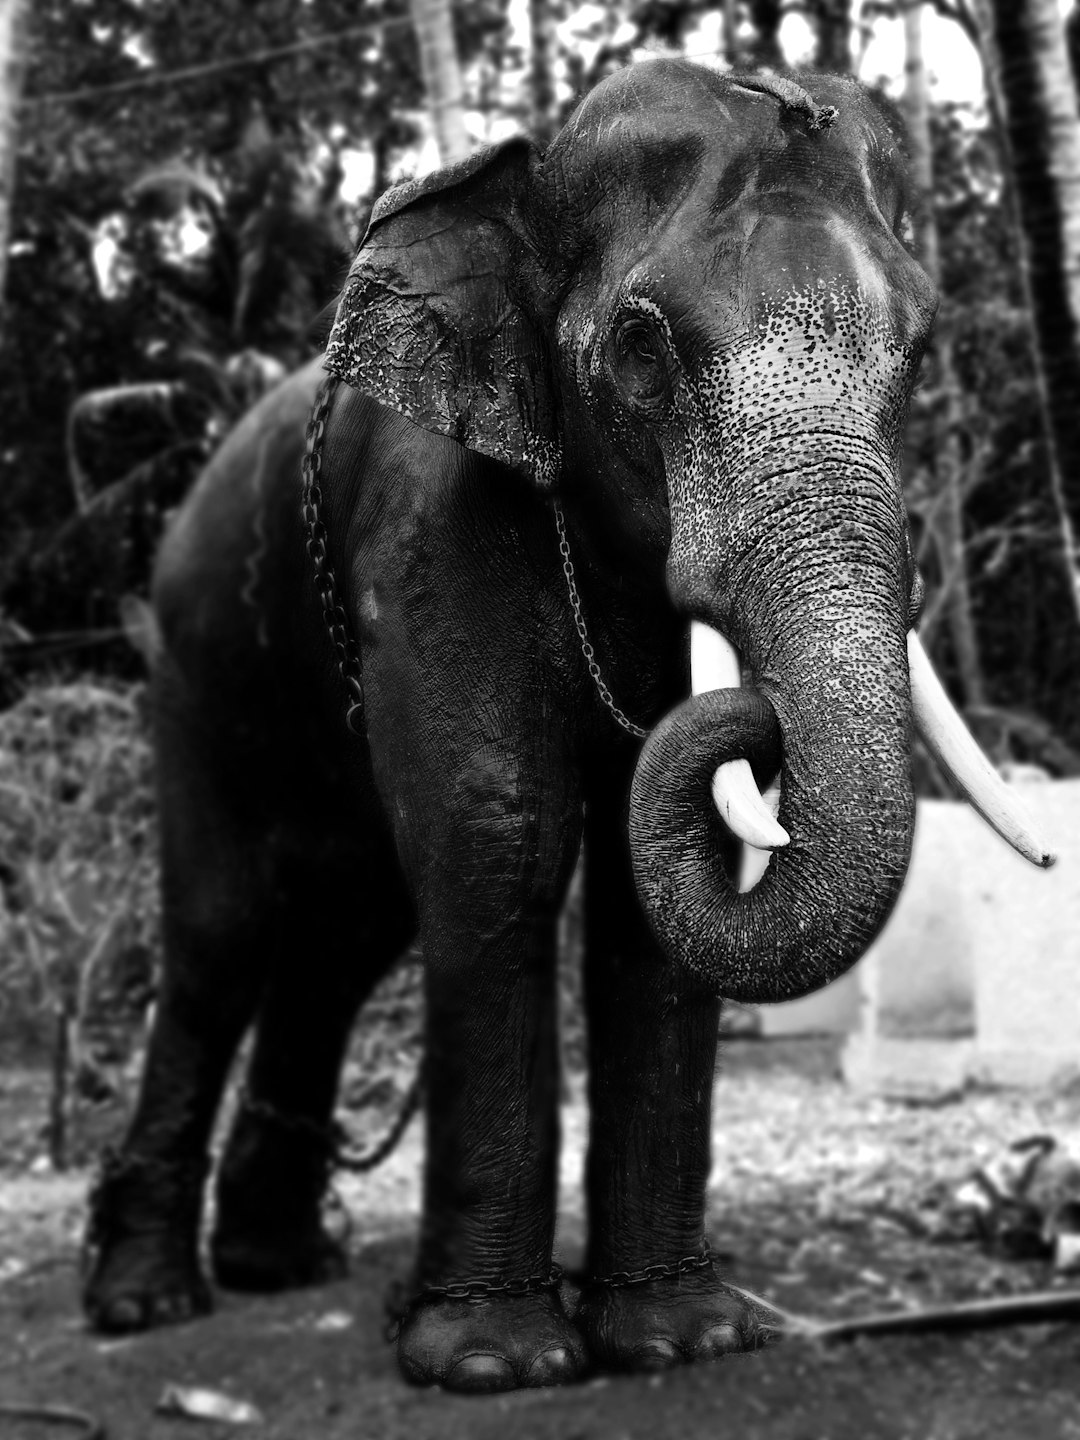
(554,1366)
(656,1355)
(718,1340)
(480,1374)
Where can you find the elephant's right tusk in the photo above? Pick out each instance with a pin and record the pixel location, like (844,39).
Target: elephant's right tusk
(714,665)
(952,745)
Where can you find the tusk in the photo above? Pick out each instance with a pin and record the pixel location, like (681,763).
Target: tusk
(714,661)
(736,796)
(714,665)
(954,748)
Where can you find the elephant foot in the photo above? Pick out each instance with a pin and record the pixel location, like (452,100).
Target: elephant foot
(675,1320)
(480,1346)
(268,1233)
(142,1245)
(263,1265)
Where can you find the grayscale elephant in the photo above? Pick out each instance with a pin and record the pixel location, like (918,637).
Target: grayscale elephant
(612,452)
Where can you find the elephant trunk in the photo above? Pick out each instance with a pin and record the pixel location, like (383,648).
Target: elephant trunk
(825,643)
(846,803)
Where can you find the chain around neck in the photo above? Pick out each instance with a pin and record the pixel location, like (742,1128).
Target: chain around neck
(583,634)
(347,652)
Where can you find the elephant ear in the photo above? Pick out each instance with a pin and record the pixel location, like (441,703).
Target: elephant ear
(433,320)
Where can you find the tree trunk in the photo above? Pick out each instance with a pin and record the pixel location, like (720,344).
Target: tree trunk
(541,79)
(948,517)
(12,65)
(433,23)
(1028,73)
(729,45)
(764,49)
(833,21)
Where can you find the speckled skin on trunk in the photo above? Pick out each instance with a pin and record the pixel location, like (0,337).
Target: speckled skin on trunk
(693,322)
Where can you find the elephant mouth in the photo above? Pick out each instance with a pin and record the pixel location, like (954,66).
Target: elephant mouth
(715,664)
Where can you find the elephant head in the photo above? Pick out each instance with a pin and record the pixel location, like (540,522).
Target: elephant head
(695,312)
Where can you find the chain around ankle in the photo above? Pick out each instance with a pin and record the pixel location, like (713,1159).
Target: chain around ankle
(688,1265)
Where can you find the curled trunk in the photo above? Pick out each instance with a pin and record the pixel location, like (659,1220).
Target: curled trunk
(824,896)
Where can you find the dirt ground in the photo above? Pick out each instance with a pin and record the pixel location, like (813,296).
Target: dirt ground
(827,1203)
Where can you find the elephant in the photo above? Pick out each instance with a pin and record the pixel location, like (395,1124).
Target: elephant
(596,531)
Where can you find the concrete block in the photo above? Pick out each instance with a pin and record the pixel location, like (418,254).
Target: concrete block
(982,953)
(925,1069)
(1027,929)
(832,1010)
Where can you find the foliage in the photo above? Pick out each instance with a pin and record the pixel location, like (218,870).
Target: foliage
(138,136)
(1030,651)
(78,883)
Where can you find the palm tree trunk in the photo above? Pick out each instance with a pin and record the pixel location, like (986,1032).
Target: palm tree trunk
(433,23)
(1030,80)
(12,65)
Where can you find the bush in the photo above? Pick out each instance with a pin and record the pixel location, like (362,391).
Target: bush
(78,864)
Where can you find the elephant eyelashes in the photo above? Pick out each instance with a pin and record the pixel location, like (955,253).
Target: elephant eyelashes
(642,367)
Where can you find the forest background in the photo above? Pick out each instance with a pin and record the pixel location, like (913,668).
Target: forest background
(181,188)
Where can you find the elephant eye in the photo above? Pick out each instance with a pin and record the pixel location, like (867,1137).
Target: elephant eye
(642,365)
(643,346)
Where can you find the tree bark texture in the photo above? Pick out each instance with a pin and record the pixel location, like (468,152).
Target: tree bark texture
(12,65)
(433,23)
(1031,82)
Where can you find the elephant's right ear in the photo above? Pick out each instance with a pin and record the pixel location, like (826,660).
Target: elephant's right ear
(434,321)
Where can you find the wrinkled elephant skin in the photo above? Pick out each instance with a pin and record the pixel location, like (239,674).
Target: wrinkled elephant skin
(693,324)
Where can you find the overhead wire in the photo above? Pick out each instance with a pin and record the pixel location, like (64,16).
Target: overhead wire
(187,74)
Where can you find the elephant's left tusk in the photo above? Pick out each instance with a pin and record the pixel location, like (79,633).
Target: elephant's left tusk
(952,745)
(736,796)
(714,665)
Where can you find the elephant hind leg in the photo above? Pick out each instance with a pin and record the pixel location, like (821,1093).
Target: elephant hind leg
(219,930)
(346,920)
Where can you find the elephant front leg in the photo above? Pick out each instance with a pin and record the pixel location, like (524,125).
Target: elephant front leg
(485,1314)
(653,1297)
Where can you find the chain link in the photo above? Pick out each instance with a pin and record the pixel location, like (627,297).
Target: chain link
(483,1289)
(688,1265)
(401,1306)
(334,1137)
(583,634)
(346,651)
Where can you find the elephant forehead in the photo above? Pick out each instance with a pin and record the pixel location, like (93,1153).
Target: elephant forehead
(663,133)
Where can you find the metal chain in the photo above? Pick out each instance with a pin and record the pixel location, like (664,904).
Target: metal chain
(482,1289)
(583,634)
(184,1177)
(334,1137)
(350,668)
(401,1308)
(686,1266)
(337,624)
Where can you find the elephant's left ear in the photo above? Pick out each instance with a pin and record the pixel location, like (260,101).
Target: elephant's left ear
(434,320)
